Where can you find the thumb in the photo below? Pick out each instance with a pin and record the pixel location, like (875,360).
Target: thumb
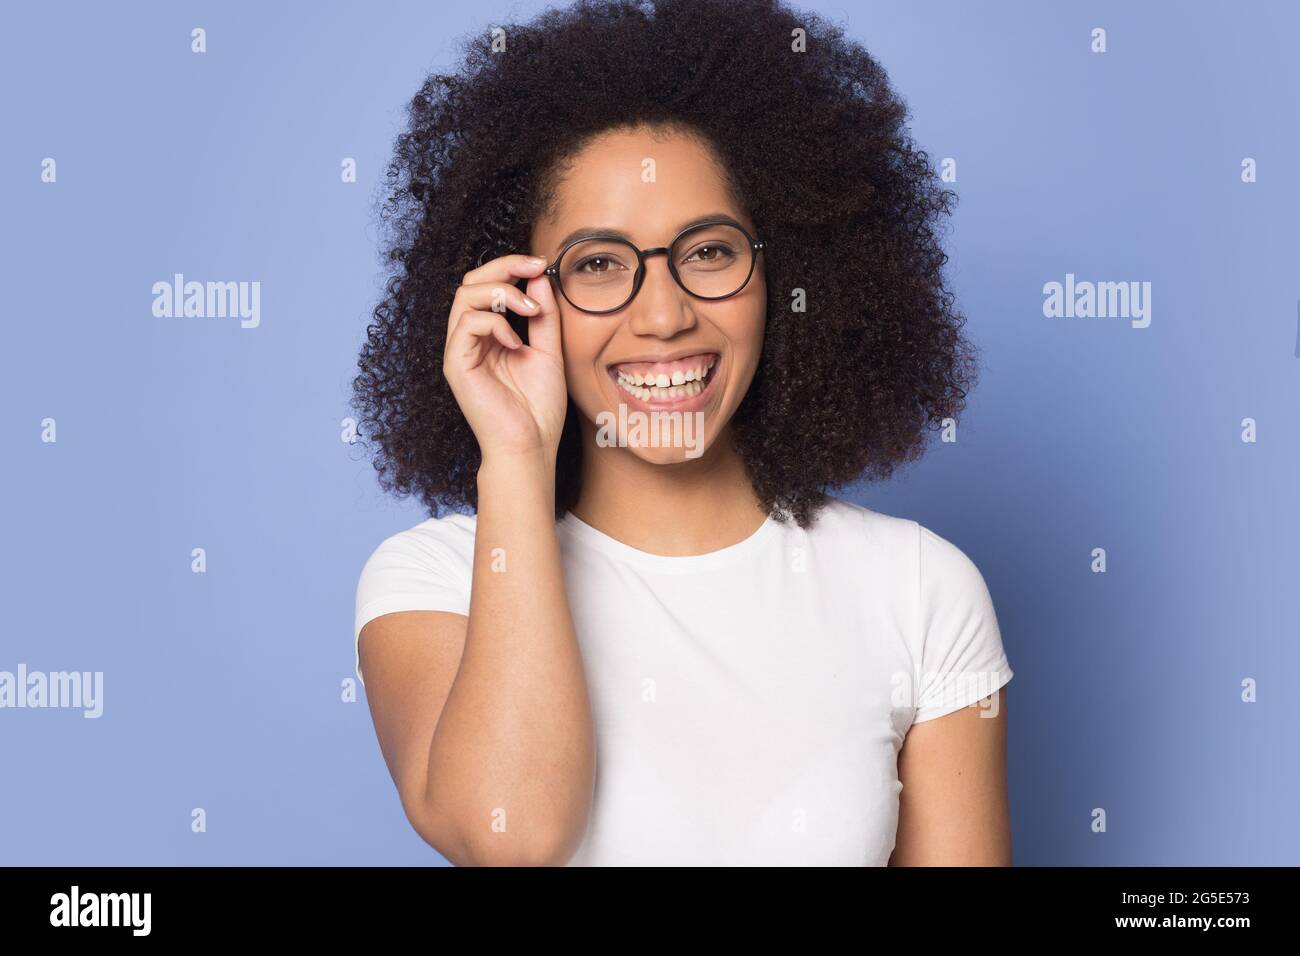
(544,327)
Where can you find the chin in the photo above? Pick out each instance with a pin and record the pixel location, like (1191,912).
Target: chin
(670,456)
(661,436)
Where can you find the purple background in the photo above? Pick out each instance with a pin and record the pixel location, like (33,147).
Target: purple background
(222,690)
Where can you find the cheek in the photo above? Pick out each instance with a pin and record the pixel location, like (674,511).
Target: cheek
(744,330)
(582,342)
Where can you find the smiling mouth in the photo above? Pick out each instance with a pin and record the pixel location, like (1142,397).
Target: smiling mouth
(666,382)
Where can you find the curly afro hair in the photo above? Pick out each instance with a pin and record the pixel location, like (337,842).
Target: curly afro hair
(816,145)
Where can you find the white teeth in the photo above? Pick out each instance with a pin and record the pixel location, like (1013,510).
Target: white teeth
(683,383)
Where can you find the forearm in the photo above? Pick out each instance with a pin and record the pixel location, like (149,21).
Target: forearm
(512,761)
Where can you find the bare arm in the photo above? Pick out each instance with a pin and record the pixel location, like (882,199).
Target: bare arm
(484,720)
(953,809)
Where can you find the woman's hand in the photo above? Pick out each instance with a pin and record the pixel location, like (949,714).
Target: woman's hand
(513,395)
(495,701)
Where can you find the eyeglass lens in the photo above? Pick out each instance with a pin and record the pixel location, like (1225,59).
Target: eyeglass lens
(711,261)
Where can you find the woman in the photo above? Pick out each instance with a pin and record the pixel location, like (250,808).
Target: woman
(672,646)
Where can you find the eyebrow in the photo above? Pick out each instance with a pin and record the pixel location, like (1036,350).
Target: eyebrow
(587,232)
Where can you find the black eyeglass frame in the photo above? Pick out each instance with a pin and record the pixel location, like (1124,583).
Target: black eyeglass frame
(755,246)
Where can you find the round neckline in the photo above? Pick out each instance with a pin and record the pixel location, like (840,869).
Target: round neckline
(602,542)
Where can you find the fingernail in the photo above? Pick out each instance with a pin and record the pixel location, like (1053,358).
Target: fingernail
(530,303)
(537,260)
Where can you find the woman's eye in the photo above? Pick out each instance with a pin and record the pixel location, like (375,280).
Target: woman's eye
(710,253)
(598,264)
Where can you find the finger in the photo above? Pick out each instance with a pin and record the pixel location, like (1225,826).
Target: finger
(468,345)
(496,297)
(501,270)
(505,269)
(544,325)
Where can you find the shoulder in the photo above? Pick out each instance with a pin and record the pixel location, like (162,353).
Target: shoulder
(948,576)
(932,574)
(425,568)
(436,555)
(852,524)
(448,537)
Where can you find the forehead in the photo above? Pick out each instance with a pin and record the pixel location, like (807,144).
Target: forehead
(642,183)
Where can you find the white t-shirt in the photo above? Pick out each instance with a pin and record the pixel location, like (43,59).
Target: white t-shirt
(749,703)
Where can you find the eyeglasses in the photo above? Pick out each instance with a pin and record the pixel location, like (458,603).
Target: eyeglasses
(602,274)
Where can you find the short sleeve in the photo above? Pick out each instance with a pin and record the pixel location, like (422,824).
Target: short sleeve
(426,568)
(962,658)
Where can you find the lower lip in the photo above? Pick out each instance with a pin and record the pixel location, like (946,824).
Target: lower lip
(693,403)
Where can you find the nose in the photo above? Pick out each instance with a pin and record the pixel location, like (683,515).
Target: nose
(661,308)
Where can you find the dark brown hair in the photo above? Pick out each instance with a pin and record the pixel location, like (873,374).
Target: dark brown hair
(815,144)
